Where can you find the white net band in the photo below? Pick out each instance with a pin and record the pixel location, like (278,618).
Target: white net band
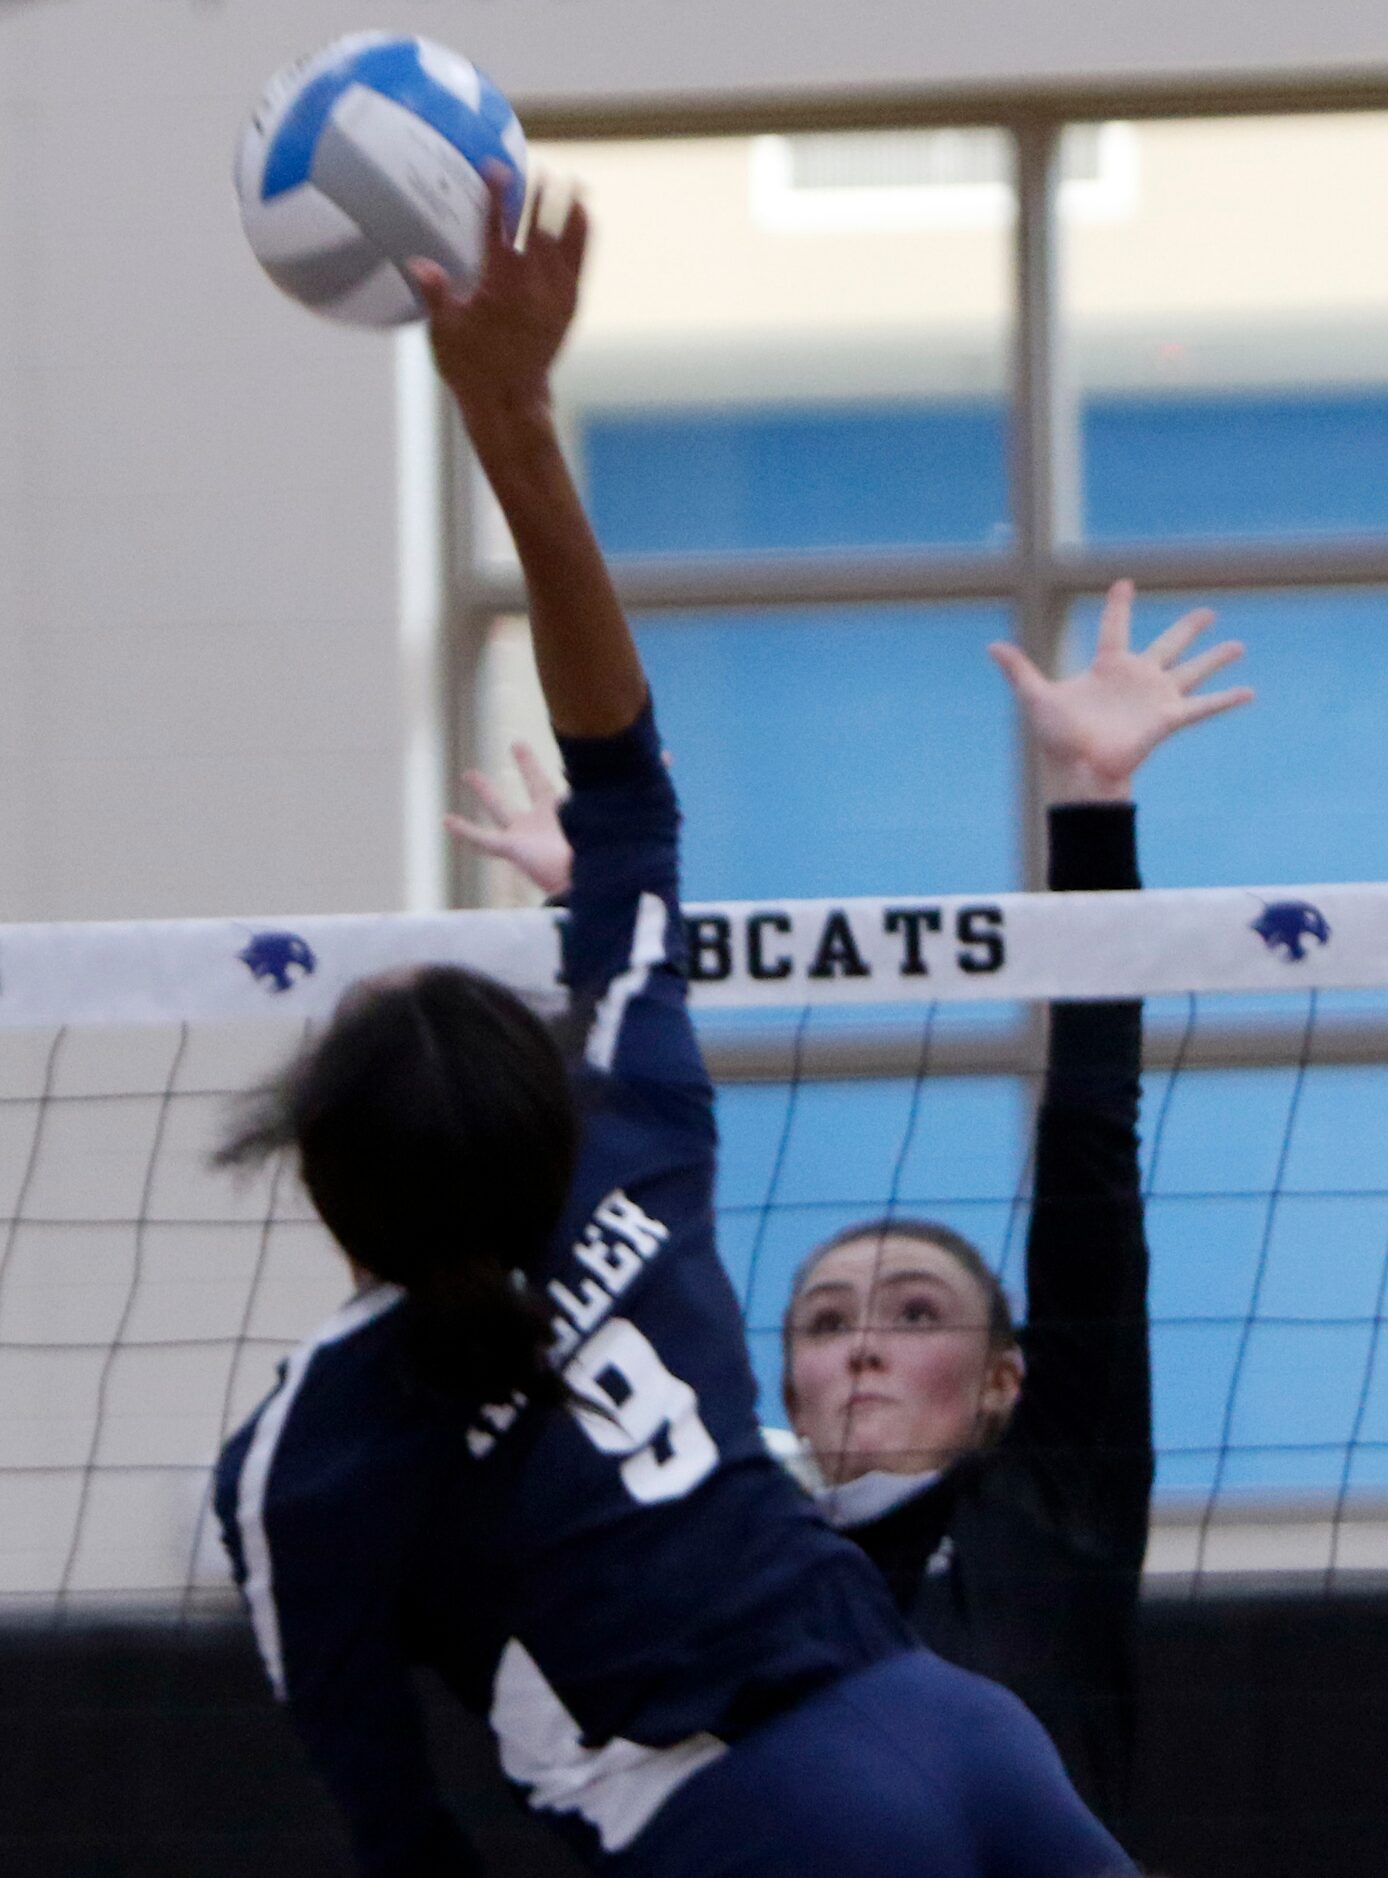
(743,953)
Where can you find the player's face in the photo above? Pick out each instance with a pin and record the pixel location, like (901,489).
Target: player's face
(890,1363)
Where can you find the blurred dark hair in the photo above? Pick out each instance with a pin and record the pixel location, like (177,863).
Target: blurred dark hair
(436,1135)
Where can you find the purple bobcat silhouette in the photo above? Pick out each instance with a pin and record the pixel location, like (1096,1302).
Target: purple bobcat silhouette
(275,956)
(1288,923)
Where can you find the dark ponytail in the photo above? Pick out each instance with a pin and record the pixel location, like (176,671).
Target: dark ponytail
(481,1333)
(436,1136)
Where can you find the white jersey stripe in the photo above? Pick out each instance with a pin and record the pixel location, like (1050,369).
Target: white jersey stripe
(617,1788)
(647,950)
(259,1587)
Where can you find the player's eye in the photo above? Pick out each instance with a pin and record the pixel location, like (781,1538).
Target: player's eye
(917,1313)
(827,1321)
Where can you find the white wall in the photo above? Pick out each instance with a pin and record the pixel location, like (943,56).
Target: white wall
(200,702)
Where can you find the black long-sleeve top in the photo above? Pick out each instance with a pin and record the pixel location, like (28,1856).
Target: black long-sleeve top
(1024,1562)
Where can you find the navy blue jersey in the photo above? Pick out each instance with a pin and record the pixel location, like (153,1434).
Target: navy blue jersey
(623,1585)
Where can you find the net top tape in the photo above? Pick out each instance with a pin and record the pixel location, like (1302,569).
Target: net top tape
(743,954)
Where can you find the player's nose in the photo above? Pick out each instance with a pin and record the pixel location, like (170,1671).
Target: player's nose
(867,1351)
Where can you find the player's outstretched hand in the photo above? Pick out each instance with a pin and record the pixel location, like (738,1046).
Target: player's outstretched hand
(494,346)
(1095,729)
(531,839)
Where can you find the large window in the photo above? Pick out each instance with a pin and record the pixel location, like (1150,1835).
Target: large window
(888,374)
(848,406)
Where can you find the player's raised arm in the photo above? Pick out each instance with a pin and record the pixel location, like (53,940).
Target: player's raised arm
(1085,1402)
(624,941)
(494,351)
(969,1459)
(1083,1425)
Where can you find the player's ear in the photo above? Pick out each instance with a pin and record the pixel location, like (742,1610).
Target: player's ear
(1002,1384)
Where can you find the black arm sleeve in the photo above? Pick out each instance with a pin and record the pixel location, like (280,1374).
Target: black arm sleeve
(1085,1417)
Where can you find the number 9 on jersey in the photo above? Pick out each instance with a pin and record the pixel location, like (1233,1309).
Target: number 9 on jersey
(642,1412)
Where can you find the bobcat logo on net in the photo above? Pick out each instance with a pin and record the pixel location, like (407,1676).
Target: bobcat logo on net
(1286,925)
(278,960)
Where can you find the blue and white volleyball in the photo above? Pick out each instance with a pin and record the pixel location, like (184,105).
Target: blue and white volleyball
(369,153)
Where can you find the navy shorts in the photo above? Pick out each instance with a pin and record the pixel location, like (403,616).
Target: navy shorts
(911,1769)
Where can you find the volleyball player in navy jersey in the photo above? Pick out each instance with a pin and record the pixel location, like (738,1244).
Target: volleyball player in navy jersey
(526,1452)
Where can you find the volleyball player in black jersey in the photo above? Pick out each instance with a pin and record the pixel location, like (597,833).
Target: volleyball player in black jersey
(526,1452)
(1001,1478)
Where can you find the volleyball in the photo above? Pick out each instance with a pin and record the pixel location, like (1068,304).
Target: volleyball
(363,155)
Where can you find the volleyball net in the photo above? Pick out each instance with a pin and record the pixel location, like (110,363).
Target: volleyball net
(873,1057)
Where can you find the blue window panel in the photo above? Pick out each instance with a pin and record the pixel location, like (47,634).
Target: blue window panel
(1182,1476)
(1368,1465)
(1269,1472)
(751,1121)
(852,476)
(974,1020)
(1205,1256)
(742,480)
(998,1228)
(1368,1458)
(1193,1369)
(1340,1141)
(862,1143)
(1373,1428)
(918,1026)
(1294,1403)
(1326,1258)
(1293,789)
(823,754)
(846,1141)
(764,1348)
(1298,1388)
(1174,1012)
(969,1142)
(738,1234)
(1162,468)
(1221,1131)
